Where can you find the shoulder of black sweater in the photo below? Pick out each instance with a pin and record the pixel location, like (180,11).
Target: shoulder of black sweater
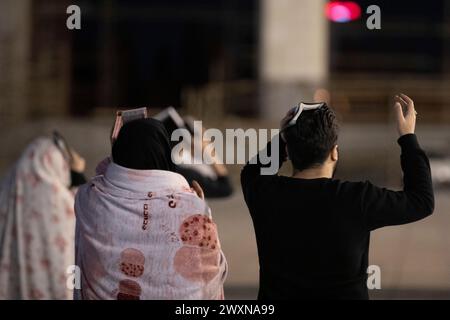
(384,207)
(252,176)
(281,152)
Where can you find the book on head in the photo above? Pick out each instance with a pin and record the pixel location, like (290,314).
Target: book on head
(125,116)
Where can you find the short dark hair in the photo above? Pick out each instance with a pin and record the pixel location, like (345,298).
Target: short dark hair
(311,139)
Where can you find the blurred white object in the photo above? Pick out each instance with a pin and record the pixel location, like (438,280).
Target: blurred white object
(189,161)
(192,157)
(440,170)
(170,118)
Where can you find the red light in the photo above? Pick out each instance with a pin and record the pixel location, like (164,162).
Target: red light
(342,11)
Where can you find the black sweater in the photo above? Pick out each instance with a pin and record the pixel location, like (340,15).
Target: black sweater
(313,235)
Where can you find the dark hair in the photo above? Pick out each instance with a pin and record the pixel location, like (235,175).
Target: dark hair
(143,145)
(311,139)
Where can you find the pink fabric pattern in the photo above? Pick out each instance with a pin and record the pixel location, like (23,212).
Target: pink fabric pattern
(144,234)
(37,225)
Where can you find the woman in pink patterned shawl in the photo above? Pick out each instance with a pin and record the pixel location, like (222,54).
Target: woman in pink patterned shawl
(142,232)
(37,223)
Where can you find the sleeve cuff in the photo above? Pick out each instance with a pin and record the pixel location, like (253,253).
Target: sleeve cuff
(283,153)
(77,179)
(408,141)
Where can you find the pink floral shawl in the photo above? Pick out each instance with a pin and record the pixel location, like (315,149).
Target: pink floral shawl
(37,225)
(144,234)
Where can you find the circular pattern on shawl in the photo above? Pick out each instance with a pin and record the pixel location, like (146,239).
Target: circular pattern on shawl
(129,290)
(197,264)
(132,262)
(199,230)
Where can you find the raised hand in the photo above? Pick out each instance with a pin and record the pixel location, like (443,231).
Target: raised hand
(406,114)
(284,122)
(78,163)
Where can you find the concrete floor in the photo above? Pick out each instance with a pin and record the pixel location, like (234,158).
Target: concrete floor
(414,259)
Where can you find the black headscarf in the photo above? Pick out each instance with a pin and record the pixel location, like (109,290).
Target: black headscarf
(143,145)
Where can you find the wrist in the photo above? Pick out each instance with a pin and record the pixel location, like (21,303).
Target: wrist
(405,132)
(408,141)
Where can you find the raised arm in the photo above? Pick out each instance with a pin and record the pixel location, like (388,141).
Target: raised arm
(251,174)
(384,207)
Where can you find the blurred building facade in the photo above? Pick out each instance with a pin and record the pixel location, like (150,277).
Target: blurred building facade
(35,59)
(251,57)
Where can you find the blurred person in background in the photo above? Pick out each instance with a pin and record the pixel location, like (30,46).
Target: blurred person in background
(213,178)
(313,231)
(142,232)
(37,221)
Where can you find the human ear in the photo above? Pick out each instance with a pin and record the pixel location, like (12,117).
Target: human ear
(334,153)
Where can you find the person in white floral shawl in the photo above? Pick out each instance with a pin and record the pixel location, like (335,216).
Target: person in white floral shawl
(37,222)
(142,232)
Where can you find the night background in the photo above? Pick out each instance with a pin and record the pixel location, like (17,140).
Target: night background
(243,64)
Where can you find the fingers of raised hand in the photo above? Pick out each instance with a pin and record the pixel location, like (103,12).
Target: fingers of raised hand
(399,111)
(407,104)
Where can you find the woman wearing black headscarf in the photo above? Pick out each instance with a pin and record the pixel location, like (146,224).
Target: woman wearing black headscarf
(142,232)
(143,145)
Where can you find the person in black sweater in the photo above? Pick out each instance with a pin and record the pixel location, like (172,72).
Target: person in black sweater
(313,231)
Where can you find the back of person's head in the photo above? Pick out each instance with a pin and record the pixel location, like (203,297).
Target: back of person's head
(143,145)
(312,138)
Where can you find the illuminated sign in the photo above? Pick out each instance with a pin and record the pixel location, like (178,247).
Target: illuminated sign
(342,11)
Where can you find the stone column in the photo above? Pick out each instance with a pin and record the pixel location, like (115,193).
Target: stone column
(15,42)
(293,53)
